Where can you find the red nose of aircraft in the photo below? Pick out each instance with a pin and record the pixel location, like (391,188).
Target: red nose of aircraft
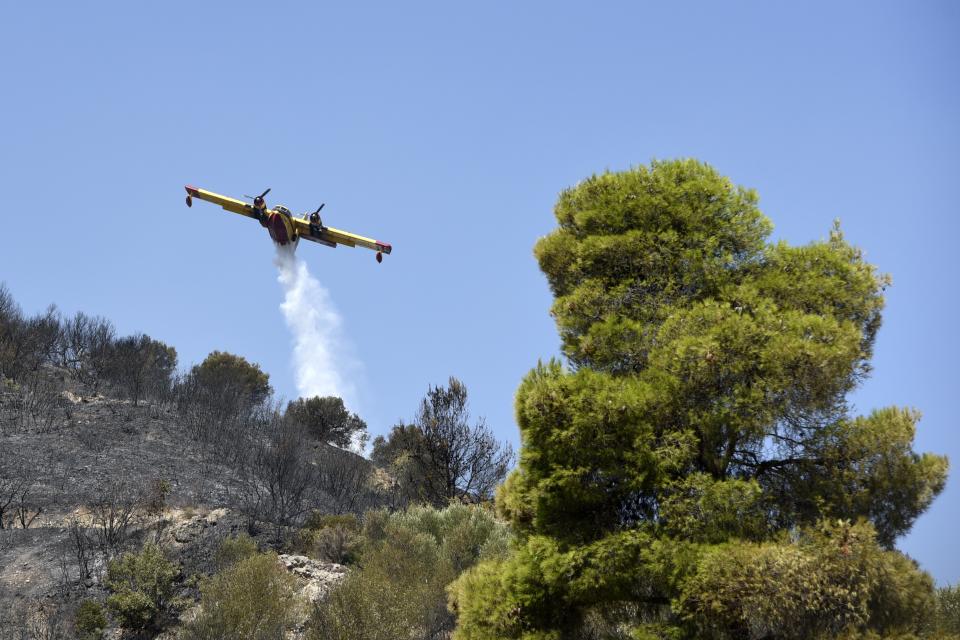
(278,230)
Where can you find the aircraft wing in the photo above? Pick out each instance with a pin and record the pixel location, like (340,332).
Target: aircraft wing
(332,237)
(230,204)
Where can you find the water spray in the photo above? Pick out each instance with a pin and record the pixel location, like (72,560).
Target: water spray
(320,359)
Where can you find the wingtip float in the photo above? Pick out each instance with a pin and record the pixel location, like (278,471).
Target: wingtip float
(283,227)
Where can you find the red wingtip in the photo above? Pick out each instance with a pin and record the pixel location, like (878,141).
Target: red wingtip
(384,246)
(192,190)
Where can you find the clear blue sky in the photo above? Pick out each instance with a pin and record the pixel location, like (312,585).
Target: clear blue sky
(448,129)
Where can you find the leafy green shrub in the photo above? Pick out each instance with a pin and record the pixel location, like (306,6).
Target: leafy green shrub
(398,593)
(142,586)
(254,599)
(408,559)
(89,619)
(465,534)
(832,580)
(233,550)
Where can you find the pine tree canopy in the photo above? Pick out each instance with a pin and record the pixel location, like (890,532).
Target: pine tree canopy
(695,470)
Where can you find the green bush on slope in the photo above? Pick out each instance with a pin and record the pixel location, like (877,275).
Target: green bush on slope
(253,599)
(142,587)
(408,559)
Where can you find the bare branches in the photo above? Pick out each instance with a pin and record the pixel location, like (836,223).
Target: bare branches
(278,482)
(345,479)
(441,456)
(80,546)
(25,343)
(113,508)
(18,475)
(83,348)
(37,402)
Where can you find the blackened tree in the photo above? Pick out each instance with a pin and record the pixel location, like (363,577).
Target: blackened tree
(441,456)
(279,483)
(26,343)
(84,348)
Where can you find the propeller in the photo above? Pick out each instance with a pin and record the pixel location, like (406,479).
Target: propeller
(259,197)
(320,207)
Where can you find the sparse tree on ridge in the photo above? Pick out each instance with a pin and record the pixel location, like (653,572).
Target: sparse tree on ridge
(10,318)
(25,343)
(84,347)
(327,420)
(226,373)
(697,474)
(138,366)
(396,453)
(222,394)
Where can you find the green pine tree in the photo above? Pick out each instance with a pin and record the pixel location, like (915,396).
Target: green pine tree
(695,472)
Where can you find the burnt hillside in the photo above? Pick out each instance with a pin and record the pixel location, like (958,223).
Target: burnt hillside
(106,446)
(140,499)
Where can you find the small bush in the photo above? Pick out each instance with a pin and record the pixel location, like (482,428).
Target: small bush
(333,538)
(142,586)
(375,523)
(336,544)
(89,619)
(466,534)
(155,497)
(254,600)
(233,550)
(397,593)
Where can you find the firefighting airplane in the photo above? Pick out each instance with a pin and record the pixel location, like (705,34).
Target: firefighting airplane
(283,227)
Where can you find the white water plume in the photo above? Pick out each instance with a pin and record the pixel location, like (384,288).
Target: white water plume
(320,355)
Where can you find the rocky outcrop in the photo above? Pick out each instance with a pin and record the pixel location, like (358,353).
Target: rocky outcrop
(187,530)
(317,577)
